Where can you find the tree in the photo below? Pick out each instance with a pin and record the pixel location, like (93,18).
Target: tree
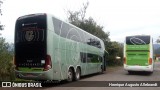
(77,16)
(6,65)
(6,55)
(78,19)
(115,49)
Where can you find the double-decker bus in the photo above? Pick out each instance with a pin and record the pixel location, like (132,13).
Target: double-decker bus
(47,48)
(138,53)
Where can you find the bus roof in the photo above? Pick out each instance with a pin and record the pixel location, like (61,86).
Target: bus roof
(138,35)
(36,14)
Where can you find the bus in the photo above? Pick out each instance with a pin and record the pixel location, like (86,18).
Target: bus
(138,53)
(47,48)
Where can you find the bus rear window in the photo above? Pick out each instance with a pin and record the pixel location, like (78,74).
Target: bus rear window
(31,29)
(137,40)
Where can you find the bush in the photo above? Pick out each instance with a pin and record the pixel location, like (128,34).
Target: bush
(6,65)
(114,49)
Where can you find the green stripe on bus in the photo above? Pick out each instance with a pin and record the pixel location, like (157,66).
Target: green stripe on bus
(30,69)
(137,47)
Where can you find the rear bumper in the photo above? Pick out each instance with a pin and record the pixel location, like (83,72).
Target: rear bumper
(44,75)
(139,68)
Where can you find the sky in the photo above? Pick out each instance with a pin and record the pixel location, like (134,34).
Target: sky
(119,17)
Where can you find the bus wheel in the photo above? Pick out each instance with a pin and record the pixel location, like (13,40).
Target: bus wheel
(70,75)
(77,74)
(130,72)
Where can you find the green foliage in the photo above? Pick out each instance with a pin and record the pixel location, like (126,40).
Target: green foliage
(6,55)
(6,65)
(115,49)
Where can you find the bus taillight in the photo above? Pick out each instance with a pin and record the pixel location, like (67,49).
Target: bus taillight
(124,60)
(150,61)
(48,63)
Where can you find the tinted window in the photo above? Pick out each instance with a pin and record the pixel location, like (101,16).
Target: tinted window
(90,40)
(68,31)
(65,30)
(90,58)
(57,25)
(137,40)
(83,57)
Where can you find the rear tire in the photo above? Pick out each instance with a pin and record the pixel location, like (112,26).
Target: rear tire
(77,74)
(70,75)
(130,72)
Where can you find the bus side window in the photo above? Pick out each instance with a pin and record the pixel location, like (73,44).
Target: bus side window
(93,58)
(89,57)
(57,25)
(98,45)
(83,57)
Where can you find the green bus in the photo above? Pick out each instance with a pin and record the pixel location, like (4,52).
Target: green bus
(47,48)
(138,53)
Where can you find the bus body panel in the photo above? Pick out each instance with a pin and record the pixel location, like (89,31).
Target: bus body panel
(138,53)
(138,68)
(137,58)
(45,75)
(66,51)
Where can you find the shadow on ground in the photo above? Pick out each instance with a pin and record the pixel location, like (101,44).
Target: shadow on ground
(139,73)
(64,83)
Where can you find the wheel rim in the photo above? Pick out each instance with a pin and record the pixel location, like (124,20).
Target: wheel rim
(77,75)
